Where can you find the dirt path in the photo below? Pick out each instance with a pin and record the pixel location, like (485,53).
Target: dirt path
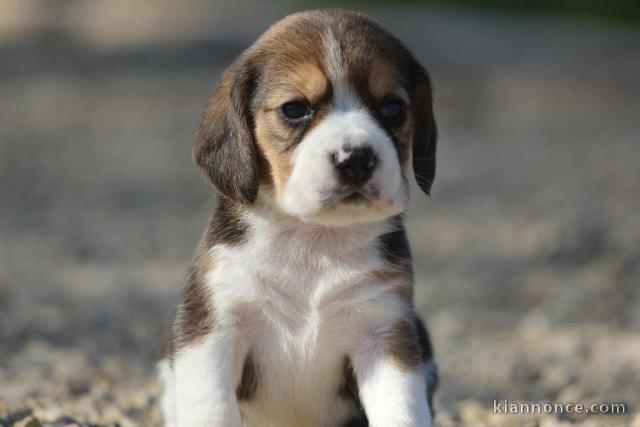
(527,255)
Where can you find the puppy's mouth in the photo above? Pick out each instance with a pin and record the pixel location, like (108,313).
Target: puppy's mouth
(351,197)
(354,198)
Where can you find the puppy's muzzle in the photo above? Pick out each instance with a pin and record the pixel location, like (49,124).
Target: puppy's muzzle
(355,166)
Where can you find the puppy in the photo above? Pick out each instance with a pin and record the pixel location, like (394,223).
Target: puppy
(298,310)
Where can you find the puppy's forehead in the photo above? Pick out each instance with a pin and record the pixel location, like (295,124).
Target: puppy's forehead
(348,48)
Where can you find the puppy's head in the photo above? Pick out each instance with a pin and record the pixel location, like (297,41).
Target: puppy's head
(323,116)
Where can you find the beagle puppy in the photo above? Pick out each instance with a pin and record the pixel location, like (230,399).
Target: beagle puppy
(298,309)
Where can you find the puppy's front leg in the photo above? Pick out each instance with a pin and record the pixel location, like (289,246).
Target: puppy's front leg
(390,370)
(205,379)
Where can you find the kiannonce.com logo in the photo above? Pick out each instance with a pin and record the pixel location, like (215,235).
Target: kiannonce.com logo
(510,407)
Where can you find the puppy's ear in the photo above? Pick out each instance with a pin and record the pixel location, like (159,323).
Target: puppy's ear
(224,147)
(425,132)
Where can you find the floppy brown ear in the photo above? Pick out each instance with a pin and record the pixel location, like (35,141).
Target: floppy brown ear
(425,132)
(224,147)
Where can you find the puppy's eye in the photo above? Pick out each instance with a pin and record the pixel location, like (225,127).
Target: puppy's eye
(296,110)
(392,111)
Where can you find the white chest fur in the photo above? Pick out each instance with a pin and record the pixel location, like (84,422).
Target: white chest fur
(298,302)
(296,297)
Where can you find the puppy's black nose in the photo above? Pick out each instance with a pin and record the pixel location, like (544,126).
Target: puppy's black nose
(355,165)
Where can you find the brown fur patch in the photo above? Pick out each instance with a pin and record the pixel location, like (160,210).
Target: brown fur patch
(195,317)
(348,386)
(408,343)
(423,339)
(408,346)
(386,276)
(348,390)
(226,226)
(279,160)
(303,81)
(402,346)
(249,381)
(384,82)
(400,282)
(275,138)
(404,293)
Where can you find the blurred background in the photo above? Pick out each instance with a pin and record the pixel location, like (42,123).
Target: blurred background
(527,255)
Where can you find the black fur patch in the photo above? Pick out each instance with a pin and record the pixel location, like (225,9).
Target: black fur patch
(249,380)
(349,391)
(394,247)
(224,147)
(226,226)
(424,341)
(195,317)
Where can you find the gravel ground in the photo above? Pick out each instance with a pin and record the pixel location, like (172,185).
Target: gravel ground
(527,255)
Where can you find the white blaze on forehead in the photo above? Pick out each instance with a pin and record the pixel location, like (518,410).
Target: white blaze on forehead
(344,99)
